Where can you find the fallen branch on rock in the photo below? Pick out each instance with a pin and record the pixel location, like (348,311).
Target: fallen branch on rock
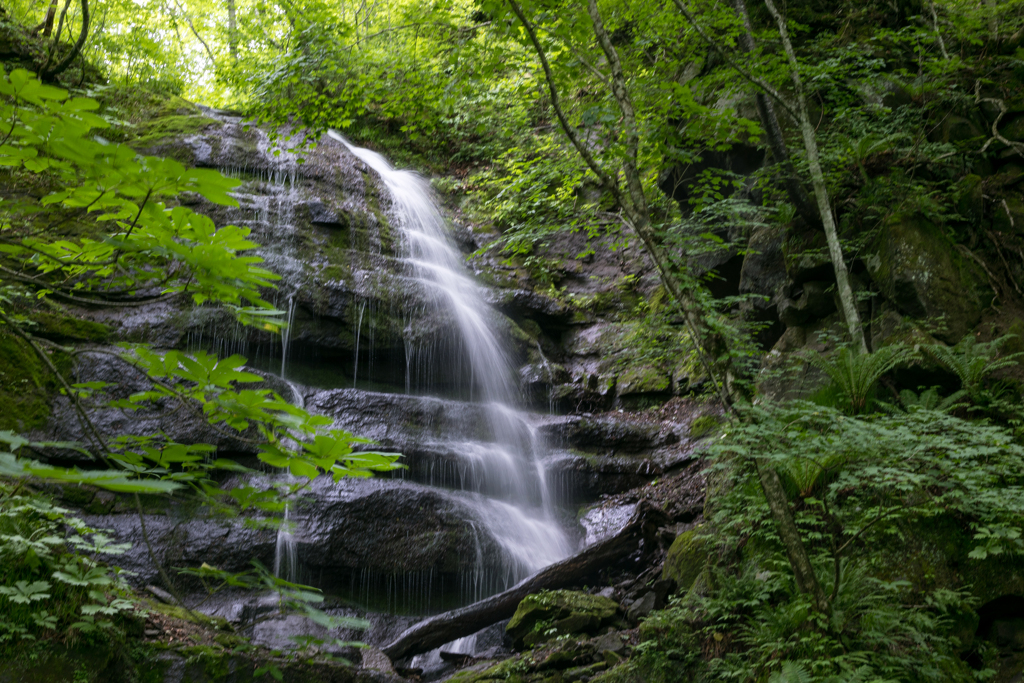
(443,628)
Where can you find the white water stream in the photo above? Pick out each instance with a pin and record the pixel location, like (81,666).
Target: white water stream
(522,520)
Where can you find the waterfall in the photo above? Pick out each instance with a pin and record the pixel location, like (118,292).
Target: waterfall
(517,510)
(286,558)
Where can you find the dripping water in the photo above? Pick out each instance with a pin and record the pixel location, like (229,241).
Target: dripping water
(286,334)
(359,329)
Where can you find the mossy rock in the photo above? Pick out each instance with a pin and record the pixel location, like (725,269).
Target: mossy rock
(955,129)
(705,425)
(933,553)
(919,269)
(26,384)
(67,328)
(641,379)
(686,559)
(175,126)
(547,615)
(1014,130)
(1008,216)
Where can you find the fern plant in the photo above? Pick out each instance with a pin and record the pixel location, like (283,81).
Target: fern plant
(925,399)
(854,375)
(973,362)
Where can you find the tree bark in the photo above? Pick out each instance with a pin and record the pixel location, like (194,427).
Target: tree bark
(444,628)
(232,30)
(806,580)
(770,123)
(70,57)
(47,25)
(846,297)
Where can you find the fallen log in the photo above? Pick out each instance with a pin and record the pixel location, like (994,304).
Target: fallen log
(444,628)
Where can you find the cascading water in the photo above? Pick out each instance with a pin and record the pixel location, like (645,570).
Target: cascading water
(286,559)
(517,510)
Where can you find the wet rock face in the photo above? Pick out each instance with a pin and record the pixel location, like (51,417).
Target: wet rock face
(389,527)
(609,453)
(123,380)
(180,540)
(381,526)
(400,422)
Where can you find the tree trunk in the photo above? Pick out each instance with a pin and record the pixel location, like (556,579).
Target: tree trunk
(232,30)
(778,503)
(51,14)
(444,628)
(846,297)
(70,57)
(770,123)
(712,349)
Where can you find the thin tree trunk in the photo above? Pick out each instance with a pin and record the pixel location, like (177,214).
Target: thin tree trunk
(806,580)
(51,14)
(775,494)
(232,30)
(709,341)
(938,31)
(773,490)
(770,123)
(70,57)
(846,297)
(56,36)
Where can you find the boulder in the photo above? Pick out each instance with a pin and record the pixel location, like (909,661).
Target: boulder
(807,302)
(764,268)
(643,606)
(686,559)
(547,615)
(917,267)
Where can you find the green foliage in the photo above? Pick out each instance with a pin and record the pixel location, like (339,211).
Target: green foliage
(855,374)
(50,578)
(129,240)
(134,239)
(974,362)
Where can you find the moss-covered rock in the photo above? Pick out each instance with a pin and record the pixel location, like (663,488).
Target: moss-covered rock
(971,198)
(26,384)
(919,268)
(63,328)
(686,559)
(704,426)
(543,616)
(955,128)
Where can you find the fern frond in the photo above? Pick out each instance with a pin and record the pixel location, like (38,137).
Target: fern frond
(855,374)
(972,361)
(791,673)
